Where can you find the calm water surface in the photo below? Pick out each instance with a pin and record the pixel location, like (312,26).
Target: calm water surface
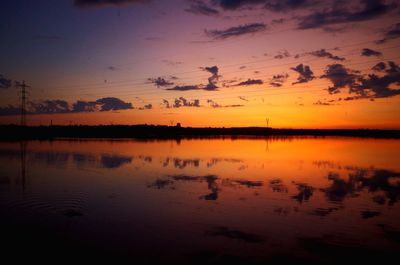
(305,200)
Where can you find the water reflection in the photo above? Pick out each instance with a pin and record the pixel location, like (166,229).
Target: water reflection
(229,198)
(61,159)
(234,234)
(373,180)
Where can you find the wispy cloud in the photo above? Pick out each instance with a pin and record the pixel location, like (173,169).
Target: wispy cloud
(171,62)
(250,82)
(214,104)
(201,8)
(369,52)
(236,31)
(369,9)
(186,88)
(324,54)
(282,54)
(277,6)
(160,82)
(99,3)
(393,32)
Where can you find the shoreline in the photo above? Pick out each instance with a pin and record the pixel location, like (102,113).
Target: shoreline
(15,132)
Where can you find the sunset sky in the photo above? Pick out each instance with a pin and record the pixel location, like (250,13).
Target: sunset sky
(299,63)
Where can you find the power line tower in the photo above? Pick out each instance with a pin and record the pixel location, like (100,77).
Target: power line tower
(23,88)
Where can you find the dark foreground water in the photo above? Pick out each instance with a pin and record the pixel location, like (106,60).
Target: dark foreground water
(304,200)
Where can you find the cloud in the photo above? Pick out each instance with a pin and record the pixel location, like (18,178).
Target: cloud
(4,82)
(166,103)
(324,103)
(48,106)
(148,106)
(185,88)
(305,73)
(200,8)
(369,52)
(171,63)
(393,32)
(236,31)
(282,54)
(213,69)
(278,21)
(278,80)
(379,86)
(379,66)
(84,106)
(154,38)
(273,5)
(181,102)
(160,82)
(61,106)
(212,81)
(112,68)
(250,82)
(111,103)
(287,5)
(214,104)
(370,86)
(324,53)
(340,77)
(100,3)
(10,110)
(370,9)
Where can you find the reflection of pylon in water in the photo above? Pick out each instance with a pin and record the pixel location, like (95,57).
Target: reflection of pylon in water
(23,145)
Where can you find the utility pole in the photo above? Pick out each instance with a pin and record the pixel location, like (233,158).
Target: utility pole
(23,88)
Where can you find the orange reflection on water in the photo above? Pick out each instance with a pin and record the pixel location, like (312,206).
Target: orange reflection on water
(247,197)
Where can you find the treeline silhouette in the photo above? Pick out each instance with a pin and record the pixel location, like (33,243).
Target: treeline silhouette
(9,132)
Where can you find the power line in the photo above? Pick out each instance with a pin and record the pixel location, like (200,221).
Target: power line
(157,91)
(147,92)
(198,70)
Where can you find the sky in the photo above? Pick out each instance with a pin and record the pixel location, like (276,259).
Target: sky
(284,64)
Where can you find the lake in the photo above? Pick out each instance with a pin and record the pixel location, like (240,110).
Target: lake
(201,201)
